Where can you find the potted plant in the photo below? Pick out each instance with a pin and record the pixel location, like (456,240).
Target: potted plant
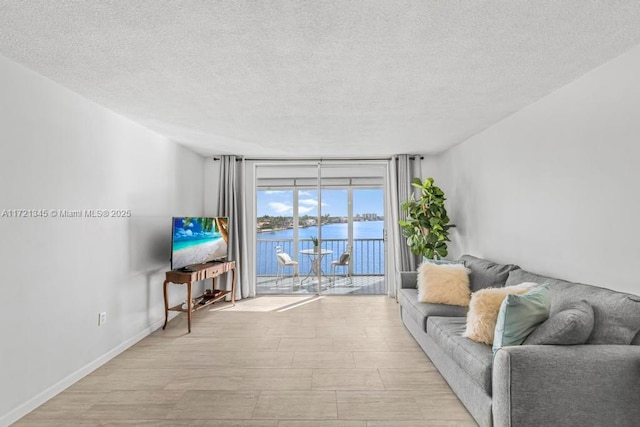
(314,239)
(427,224)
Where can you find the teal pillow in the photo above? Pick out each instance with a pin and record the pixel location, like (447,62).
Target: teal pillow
(519,315)
(440,261)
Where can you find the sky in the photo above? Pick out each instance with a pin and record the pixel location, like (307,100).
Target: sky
(334,202)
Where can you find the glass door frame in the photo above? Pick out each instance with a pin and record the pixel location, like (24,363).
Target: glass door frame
(295,188)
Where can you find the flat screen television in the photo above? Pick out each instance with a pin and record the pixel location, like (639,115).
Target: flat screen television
(198,240)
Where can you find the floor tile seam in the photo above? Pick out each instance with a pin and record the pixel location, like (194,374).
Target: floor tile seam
(86,415)
(255,406)
(261,392)
(295,350)
(179,396)
(335,401)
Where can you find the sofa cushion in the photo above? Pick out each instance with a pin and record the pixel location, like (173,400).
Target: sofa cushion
(443,284)
(571,326)
(420,311)
(483,311)
(474,358)
(485,273)
(616,318)
(519,315)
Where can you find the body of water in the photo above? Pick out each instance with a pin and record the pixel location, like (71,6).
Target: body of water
(367,251)
(361,230)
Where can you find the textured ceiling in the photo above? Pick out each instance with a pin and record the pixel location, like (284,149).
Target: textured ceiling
(316,78)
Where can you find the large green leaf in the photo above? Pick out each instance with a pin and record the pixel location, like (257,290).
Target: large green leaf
(427,224)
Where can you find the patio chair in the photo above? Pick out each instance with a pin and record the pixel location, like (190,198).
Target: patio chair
(285,261)
(343,261)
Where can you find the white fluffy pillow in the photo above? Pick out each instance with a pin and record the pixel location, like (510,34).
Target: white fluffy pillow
(484,308)
(443,284)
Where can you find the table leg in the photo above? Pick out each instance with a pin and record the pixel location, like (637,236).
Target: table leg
(316,266)
(189,306)
(233,286)
(166,305)
(312,259)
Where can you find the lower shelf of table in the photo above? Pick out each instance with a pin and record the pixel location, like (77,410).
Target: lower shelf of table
(203,302)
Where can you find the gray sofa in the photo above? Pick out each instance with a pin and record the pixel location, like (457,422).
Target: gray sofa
(535,385)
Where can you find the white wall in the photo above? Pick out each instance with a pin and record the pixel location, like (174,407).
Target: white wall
(554,188)
(60,151)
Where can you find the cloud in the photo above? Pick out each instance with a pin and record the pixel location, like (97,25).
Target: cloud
(308,202)
(280,207)
(304,193)
(305,209)
(274,192)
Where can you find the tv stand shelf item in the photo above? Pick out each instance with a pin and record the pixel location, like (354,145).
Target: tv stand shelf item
(202,301)
(199,272)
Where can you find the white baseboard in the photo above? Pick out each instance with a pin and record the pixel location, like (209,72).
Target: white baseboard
(61,385)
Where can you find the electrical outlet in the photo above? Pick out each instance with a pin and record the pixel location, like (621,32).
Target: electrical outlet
(102,318)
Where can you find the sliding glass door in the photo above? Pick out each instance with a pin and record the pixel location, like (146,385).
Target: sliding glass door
(319,234)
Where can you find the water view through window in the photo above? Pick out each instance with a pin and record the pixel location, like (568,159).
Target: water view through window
(287,221)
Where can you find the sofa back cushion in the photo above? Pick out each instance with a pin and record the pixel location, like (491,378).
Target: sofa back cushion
(616,314)
(486,274)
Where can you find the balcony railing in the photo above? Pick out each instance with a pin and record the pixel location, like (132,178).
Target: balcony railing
(367,255)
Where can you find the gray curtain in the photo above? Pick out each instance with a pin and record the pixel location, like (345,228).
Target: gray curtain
(401,169)
(405,173)
(231,203)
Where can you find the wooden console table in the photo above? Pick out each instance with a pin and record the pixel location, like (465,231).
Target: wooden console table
(199,272)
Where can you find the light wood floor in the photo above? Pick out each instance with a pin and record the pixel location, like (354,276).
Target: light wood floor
(271,361)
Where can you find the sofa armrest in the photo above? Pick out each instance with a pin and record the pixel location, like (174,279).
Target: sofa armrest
(585,385)
(408,279)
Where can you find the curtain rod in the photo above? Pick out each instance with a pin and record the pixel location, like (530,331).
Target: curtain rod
(289,159)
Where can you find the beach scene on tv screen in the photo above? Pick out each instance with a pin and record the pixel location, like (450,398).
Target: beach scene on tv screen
(198,240)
